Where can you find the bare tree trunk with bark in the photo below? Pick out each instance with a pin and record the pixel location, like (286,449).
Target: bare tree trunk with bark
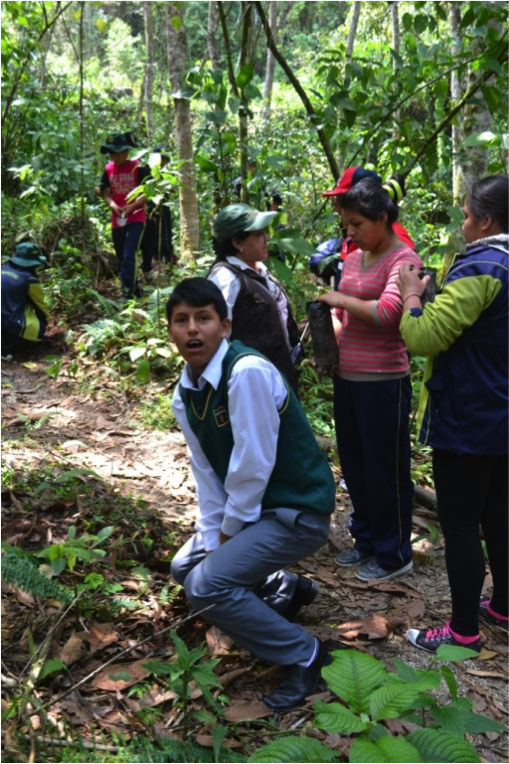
(396,45)
(188,200)
(356,12)
(212,45)
(149,67)
(270,65)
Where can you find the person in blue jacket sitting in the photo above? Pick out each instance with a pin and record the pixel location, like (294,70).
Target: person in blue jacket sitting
(24,311)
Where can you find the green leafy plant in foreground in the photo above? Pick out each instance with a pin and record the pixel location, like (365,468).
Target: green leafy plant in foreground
(371,694)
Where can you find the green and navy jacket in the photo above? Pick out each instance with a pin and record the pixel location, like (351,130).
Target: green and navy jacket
(464,398)
(301,478)
(24,311)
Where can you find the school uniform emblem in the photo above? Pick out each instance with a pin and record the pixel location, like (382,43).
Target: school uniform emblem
(221,416)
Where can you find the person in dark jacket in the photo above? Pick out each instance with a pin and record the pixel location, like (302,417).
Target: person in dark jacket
(24,311)
(464,411)
(258,306)
(157,238)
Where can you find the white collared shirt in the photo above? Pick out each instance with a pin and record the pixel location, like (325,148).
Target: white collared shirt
(256,392)
(229,284)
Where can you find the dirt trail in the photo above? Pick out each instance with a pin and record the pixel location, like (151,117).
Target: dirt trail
(101,430)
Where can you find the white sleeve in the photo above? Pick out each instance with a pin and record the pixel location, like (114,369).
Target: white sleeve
(256,393)
(211,494)
(229,284)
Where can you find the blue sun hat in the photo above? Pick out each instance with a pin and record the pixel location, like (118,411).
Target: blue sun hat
(28,255)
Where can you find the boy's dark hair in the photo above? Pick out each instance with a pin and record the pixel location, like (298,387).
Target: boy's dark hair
(370,199)
(488,198)
(197,292)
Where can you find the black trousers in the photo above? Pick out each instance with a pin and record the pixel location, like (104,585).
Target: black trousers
(472,490)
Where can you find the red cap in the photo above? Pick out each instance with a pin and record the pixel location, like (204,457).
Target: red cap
(349,178)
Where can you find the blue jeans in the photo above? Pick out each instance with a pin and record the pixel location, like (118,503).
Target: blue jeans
(126,242)
(372,431)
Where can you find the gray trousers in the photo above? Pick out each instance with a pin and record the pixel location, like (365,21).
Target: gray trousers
(244,581)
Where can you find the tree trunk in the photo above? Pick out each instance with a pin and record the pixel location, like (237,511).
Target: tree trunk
(353,30)
(188,200)
(212,36)
(456,90)
(243,123)
(270,65)
(396,44)
(149,68)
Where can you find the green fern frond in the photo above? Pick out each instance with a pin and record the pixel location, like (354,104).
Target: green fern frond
(19,571)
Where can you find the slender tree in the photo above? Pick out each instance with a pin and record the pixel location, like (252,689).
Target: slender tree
(270,65)
(188,200)
(212,45)
(356,12)
(149,67)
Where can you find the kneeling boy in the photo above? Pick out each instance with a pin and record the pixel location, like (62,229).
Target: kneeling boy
(265,492)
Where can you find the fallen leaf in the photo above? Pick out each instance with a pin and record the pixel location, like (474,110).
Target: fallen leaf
(25,598)
(375,627)
(208,742)
(485,655)
(229,676)
(156,697)
(136,673)
(416,609)
(101,635)
(491,674)
(73,650)
(246,711)
(217,642)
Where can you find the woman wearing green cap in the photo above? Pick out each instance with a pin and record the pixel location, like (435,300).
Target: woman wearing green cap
(258,306)
(24,311)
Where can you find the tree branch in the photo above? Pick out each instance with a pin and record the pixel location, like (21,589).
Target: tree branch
(299,89)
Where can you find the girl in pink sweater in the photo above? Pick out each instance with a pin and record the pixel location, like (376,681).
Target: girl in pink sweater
(372,390)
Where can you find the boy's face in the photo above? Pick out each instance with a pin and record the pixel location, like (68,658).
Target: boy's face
(119,157)
(197,333)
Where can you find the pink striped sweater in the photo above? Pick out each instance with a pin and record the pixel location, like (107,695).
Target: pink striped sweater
(366,351)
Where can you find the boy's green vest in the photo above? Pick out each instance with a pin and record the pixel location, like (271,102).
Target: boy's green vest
(301,478)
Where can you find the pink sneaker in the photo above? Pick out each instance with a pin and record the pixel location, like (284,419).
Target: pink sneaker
(432,639)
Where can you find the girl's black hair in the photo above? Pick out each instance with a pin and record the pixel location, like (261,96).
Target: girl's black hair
(197,292)
(225,249)
(370,199)
(489,198)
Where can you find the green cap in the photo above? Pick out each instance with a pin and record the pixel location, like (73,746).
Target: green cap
(28,255)
(237,218)
(117,142)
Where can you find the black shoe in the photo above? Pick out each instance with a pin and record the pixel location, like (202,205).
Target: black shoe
(298,682)
(304,594)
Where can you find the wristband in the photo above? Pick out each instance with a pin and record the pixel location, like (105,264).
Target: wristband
(414,294)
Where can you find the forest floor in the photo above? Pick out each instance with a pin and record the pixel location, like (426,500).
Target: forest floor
(138,480)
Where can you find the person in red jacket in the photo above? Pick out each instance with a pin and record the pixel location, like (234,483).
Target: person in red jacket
(120,177)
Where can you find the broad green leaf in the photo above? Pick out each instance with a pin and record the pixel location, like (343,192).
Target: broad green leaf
(206,165)
(158,668)
(245,75)
(453,653)
(386,749)
(143,370)
(492,64)
(137,353)
(58,565)
(450,680)
(292,749)
(102,26)
(334,717)
(405,671)
(390,701)
(468,18)
(218,735)
(204,716)
(296,246)
(94,580)
(176,23)
(450,719)
(442,746)
(203,674)
(104,533)
(354,676)
(51,665)
(477,723)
